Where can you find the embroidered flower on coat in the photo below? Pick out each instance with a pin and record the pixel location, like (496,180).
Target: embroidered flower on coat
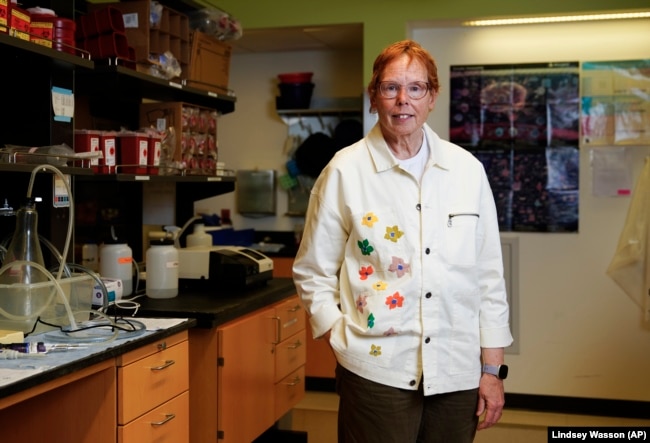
(399,267)
(380,285)
(365,247)
(365,272)
(369,219)
(371,321)
(394,301)
(375,350)
(362,301)
(393,233)
(390,332)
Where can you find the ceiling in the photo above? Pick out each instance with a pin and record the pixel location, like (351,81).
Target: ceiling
(304,38)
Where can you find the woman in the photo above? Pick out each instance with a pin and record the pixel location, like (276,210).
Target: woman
(400,269)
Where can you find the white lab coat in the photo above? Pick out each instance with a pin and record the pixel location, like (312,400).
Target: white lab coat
(408,276)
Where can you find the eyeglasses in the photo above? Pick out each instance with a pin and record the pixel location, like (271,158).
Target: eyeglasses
(415,90)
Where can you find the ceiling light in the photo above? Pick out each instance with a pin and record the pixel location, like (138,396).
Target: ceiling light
(557,19)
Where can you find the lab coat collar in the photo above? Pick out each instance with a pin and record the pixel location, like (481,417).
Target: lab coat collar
(384,160)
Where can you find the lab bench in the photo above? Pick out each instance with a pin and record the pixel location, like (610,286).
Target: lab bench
(220,335)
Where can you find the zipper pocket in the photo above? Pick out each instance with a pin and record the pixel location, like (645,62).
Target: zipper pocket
(460,214)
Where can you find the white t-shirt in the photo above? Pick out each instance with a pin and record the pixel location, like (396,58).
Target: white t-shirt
(415,165)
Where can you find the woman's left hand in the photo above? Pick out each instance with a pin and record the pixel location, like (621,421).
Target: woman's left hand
(491,400)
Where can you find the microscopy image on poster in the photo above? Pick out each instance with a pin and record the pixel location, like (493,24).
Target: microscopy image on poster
(615,103)
(522,122)
(534,105)
(535,189)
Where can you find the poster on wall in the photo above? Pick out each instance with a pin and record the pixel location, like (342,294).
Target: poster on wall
(615,103)
(522,122)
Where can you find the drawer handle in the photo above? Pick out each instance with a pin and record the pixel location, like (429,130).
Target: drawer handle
(296,345)
(294,382)
(278,330)
(295,308)
(168,417)
(167,364)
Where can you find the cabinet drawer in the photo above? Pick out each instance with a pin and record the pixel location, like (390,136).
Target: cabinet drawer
(289,391)
(150,381)
(291,318)
(290,354)
(168,423)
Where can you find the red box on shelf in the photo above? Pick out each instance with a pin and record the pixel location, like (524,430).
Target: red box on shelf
(154,153)
(86,140)
(19,21)
(107,46)
(107,144)
(5,5)
(133,149)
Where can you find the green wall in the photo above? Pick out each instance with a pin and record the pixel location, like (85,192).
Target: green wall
(385,21)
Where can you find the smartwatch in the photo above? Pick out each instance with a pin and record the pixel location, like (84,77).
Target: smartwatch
(500,371)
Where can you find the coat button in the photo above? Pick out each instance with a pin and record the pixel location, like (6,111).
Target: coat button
(412,382)
(427,295)
(418,206)
(427,251)
(427,340)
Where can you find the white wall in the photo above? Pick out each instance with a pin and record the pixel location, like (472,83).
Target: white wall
(253,137)
(580,335)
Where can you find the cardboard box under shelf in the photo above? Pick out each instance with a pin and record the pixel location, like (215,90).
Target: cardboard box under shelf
(209,63)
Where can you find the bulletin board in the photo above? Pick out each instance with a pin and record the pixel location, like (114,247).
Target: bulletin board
(522,122)
(615,99)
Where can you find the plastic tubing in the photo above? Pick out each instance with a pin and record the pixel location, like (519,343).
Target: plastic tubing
(66,247)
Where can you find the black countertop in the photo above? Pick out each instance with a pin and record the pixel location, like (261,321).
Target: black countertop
(213,306)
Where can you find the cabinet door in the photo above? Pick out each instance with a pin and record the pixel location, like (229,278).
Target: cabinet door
(246,377)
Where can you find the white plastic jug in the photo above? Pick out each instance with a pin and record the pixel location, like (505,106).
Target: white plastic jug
(116,261)
(162,269)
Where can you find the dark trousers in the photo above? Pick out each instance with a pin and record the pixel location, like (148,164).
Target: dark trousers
(372,412)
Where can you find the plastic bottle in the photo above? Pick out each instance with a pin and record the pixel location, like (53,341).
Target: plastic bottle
(199,238)
(162,269)
(116,261)
(90,256)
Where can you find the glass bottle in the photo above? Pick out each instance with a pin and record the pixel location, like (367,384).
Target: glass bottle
(17,297)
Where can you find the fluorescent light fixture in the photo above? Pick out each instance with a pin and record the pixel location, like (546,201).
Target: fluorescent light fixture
(558,19)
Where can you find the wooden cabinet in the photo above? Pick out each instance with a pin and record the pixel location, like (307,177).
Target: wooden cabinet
(153,392)
(320,360)
(247,373)
(261,370)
